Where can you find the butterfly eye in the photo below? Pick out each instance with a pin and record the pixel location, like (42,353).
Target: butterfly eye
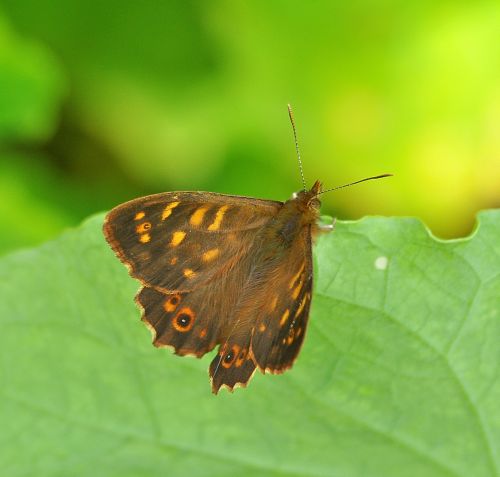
(315,204)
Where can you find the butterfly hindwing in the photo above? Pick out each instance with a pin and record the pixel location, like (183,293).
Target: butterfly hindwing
(180,241)
(281,325)
(188,322)
(180,320)
(233,365)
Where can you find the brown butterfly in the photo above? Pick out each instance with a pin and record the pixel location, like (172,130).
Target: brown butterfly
(223,270)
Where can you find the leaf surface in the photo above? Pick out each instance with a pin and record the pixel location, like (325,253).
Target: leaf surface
(398,376)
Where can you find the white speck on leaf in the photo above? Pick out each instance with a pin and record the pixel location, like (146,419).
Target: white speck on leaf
(381,263)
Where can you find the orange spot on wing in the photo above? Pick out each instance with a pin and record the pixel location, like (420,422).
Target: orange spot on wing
(184,320)
(241,357)
(198,215)
(297,289)
(144,238)
(173,260)
(168,210)
(229,357)
(296,276)
(171,303)
(188,273)
(215,225)
(274,303)
(139,215)
(284,317)
(141,228)
(210,255)
(203,333)
(262,327)
(177,238)
(301,306)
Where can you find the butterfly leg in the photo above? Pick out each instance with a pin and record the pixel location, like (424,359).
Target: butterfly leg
(328,227)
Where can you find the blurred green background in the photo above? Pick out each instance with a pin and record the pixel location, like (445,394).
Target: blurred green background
(101,102)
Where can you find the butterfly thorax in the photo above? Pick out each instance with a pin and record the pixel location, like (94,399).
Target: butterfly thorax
(301,211)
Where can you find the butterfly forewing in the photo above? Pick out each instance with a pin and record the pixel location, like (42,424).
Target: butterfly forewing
(180,241)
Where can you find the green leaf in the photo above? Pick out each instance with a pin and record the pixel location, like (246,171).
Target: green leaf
(399,374)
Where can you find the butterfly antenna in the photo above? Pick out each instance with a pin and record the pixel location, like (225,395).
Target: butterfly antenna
(290,113)
(356,182)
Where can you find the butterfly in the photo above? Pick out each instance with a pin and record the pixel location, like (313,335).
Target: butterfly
(222,270)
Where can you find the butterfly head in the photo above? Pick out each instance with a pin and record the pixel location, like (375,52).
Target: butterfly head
(309,198)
